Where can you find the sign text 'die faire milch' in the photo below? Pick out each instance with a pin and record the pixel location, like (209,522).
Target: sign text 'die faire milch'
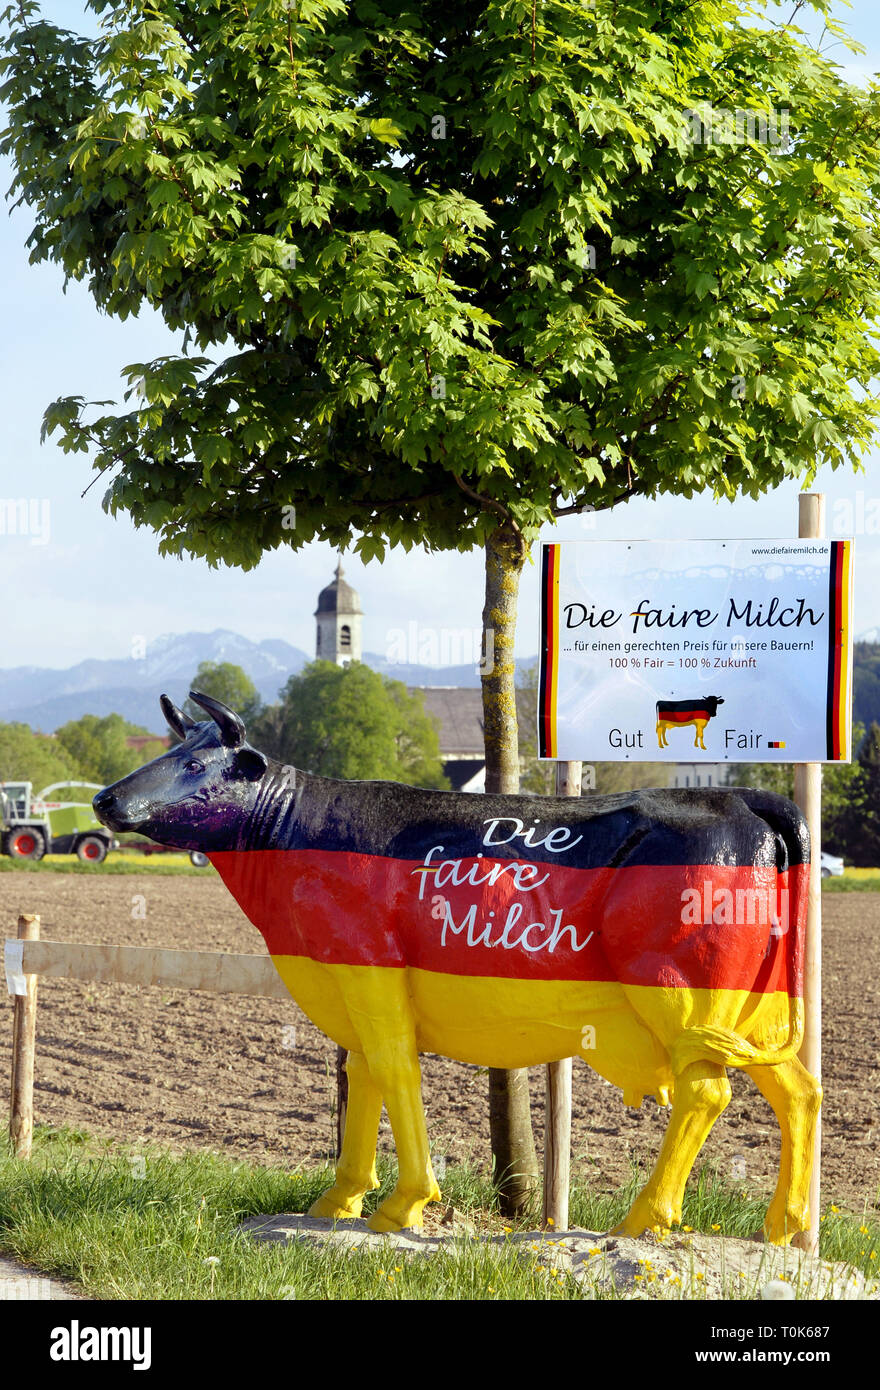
(696,651)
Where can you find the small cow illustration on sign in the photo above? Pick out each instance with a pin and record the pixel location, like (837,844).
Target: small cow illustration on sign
(675,714)
(504,930)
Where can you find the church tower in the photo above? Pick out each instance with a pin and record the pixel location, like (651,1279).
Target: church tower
(338,618)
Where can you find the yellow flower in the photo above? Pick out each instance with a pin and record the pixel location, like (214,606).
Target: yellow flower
(397,1269)
(687,1228)
(699,1276)
(594,1250)
(741,1275)
(835,1209)
(491,1290)
(716,1227)
(873,1255)
(507,1230)
(864,1230)
(638,1276)
(550,1221)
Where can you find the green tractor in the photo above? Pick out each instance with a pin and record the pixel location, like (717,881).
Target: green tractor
(31,826)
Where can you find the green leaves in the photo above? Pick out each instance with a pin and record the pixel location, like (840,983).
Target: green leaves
(413,251)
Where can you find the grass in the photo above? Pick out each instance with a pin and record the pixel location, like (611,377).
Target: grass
(146,1224)
(853,881)
(117,862)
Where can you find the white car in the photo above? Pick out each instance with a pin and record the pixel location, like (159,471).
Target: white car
(832,865)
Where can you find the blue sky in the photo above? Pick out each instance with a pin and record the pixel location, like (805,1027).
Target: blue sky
(98,584)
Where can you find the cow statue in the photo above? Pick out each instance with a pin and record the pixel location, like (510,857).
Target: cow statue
(657,934)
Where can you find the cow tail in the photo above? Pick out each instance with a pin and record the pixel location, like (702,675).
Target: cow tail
(730,1049)
(723,1045)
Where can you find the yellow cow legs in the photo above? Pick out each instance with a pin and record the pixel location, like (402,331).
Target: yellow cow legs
(795,1096)
(378,1004)
(356,1169)
(701,1093)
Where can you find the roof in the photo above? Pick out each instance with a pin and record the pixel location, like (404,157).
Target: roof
(459,712)
(338,597)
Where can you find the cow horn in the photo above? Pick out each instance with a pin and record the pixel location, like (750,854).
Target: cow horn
(176,719)
(232,730)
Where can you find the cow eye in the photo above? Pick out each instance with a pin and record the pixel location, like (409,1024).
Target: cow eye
(194,766)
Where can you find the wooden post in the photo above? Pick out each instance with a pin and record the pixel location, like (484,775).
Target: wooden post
(808,795)
(24,1032)
(557,1104)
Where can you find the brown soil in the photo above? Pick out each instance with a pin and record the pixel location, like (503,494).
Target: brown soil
(225,1072)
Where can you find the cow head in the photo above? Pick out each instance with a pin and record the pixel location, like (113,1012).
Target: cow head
(199,794)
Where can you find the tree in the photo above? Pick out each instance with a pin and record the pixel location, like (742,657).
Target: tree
(351,722)
(464,269)
(38,758)
(100,747)
(855,817)
(229,683)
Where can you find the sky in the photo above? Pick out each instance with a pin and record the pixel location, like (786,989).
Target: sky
(85,585)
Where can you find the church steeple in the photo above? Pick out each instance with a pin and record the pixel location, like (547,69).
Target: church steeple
(338,617)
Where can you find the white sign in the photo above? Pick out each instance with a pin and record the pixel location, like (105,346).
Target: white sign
(696,651)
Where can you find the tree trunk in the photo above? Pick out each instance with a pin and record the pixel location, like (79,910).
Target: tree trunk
(510,1120)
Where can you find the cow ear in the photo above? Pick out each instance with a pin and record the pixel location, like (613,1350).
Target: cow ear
(250,764)
(177,721)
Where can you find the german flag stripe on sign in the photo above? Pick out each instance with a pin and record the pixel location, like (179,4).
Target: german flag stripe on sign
(837,723)
(549,648)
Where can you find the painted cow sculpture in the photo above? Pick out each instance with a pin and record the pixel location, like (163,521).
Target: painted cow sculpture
(657,934)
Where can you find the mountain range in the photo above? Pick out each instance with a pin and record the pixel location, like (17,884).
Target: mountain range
(46,698)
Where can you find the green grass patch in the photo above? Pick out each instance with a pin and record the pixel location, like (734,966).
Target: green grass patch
(117,862)
(853,881)
(145,1224)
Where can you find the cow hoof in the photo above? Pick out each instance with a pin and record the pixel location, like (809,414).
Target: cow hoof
(782,1230)
(330,1204)
(400,1213)
(387,1223)
(641,1218)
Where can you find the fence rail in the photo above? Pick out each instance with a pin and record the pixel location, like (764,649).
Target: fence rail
(144,965)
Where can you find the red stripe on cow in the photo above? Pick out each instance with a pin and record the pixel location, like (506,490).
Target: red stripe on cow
(672,926)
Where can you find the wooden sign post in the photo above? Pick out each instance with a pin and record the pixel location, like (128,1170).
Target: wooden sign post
(557,1105)
(808,795)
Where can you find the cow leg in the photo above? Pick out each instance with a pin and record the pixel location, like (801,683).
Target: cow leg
(379,1005)
(701,1093)
(356,1169)
(795,1096)
(394,1064)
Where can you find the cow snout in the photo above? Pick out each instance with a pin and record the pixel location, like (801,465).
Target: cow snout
(104,805)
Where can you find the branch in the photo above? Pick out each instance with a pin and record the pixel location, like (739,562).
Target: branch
(490,503)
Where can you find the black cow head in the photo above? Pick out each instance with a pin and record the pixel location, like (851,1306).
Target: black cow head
(199,794)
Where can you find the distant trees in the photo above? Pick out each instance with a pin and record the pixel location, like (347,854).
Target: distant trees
(854,829)
(99,746)
(29,757)
(226,682)
(850,796)
(351,722)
